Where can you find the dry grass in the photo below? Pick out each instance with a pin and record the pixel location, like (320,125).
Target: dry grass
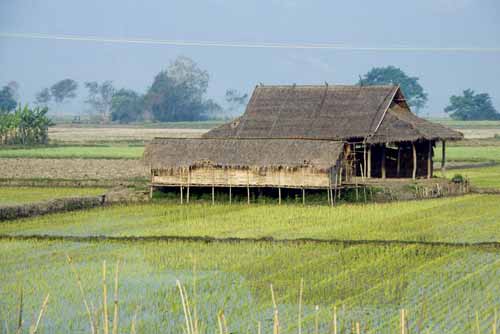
(81,135)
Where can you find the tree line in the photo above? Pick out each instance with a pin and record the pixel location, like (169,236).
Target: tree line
(179,93)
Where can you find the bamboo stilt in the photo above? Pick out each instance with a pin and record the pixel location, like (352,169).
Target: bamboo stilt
(414,153)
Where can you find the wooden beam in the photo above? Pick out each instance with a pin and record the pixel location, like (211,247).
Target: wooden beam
(443,158)
(414,153)
(429,160)
(383,162)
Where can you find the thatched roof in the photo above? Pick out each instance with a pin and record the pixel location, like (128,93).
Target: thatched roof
(328,112)
(167,153)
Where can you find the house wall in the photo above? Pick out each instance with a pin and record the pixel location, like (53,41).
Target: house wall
(223,177)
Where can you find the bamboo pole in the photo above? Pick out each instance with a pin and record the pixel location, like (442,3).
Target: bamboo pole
(383,161)
(429,160)
(398,163)
(369,162)
(213,186)
(364,159)
(105,319)
(230,191)
(248,187)
(188,185)
(443,158)
(279,195)
(182,194)
(414,153)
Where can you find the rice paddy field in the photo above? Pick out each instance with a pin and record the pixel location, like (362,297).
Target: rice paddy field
(465,219)
(23,195)
(438,259)
(75,152)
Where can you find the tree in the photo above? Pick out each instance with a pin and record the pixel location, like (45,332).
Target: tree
(7,99)
(235,101)
(472,107)
(43,97)
(64,90)
(25,126)
(99,98)
(126,106)
(413,91)
(177,94)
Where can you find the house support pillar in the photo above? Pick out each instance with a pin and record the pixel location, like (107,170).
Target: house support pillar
(248,187)
(429,160)
(443,158)
(182,195)
(383,161)
(189,182)
(279,195)
(398,162)
(368,162)
(414,153)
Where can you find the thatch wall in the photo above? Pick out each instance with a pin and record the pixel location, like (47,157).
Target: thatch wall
(206,176)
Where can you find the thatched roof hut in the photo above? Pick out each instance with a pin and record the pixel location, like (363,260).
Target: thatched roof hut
(305,137)
(377,114)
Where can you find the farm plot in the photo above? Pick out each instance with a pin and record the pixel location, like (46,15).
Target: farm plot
(72,169)
(113,134)
(466,219)
(22,195)
(442,287)
(75,152)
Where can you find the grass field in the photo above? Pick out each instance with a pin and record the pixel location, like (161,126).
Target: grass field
(82,152)
(468,124)
(469,153)
(484,177)
(22,195)
(474,218)
(441,287)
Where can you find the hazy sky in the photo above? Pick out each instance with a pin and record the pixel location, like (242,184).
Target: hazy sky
(425,23)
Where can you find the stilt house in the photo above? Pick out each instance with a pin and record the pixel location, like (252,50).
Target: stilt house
(304,137)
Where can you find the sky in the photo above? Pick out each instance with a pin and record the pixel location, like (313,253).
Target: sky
(37,63)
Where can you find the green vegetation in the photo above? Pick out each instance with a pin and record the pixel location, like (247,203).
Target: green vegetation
(484,177)
(474,218)
(442,287)
(82,152)
(471,106)
(21,195)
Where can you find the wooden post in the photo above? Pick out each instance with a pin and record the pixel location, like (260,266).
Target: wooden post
(398,162)
(443,158)
(363,171)
(182,197)
(279,195)
(230,190)
(151,190)
(248,187)
(189,182)
(303,196)
(369,163)
(414,152)
(383,161)
(429,161)
(213,186)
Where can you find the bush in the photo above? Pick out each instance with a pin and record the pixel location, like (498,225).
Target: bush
(458,178)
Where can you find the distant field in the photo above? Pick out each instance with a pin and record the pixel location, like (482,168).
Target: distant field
(469,153)
(473,218)
(117,134)
(468,124)
(81,152)
(22,195)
